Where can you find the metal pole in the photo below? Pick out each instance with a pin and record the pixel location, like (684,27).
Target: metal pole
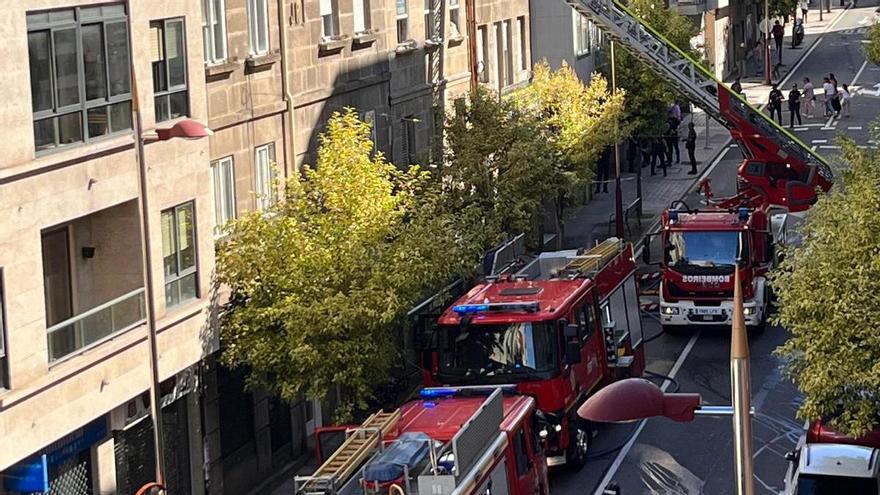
(767,64)
(820,10)
(146,256)
(740,388)
(618,190)
(706,146)
(828,6)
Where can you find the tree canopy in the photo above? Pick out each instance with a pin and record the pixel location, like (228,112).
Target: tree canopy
(872,48)
(648,93)
(829,293)
(320,281)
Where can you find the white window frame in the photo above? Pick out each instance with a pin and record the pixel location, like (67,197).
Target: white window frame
(211,21)
(329,18)
(264,176)
(223,189)
(258,32)
(455,17)
(482,52)
(580,26)
(402,19)
(361,12)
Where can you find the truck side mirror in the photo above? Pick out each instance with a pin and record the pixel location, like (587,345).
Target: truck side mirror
(646,249)
(572,352)
(791,456)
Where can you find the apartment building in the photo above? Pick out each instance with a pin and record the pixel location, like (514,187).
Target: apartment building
(560,34)
(73,342)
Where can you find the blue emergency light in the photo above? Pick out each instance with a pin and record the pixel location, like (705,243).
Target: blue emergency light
(743,214)
(437,393)
(529,307)
(673,216)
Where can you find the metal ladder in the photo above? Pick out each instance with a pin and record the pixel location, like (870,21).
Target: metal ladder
(688,76)
(596,258)
(360,444)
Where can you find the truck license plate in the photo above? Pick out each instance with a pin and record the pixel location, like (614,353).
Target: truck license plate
(707,311)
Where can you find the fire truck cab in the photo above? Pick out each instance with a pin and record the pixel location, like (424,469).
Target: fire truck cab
(700,250)
(559,329)
(449,442)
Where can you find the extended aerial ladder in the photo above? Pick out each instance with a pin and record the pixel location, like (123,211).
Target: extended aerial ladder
(759,136)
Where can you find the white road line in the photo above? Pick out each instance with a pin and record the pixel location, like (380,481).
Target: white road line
(838,18)
(828,124)
(819,141)
(859,73)
(854,128)
(801,129)
(795,68)
(813,147)
(612,470)
(829,147)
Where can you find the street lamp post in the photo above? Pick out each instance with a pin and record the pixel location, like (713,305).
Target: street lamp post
(186,129)
(636,399)
(618,190)
(767,64)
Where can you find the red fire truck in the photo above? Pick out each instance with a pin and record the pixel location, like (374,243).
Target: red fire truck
(558,329)
(701,248)
(451,441)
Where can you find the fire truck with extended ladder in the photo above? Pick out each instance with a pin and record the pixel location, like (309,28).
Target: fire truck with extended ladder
(452,441)
(558,329)
(777,165)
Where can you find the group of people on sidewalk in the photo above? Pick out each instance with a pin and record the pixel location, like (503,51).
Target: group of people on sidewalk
(836,100)
(652,151)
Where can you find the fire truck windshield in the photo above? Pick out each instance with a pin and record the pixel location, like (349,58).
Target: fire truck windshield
(498,353)
(812,484)
(706,251)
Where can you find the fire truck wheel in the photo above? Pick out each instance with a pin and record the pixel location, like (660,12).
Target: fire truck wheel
(578,444)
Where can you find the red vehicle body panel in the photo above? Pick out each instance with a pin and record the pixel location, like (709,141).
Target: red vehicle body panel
(819,432)
(754,133)
(721,221)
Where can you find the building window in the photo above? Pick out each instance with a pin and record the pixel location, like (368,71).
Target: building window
(505,57)
(179,254)
(523,44)
(214,30)
(4,365)
(402,21)
(361,15)
(79,71)
(258,26)
(223,181)
(581,33)
(329,21)
(409,139)
(482,52)
(265,176)
(168,57)
(454,18)
(429,19)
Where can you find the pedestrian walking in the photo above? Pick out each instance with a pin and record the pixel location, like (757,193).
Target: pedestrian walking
(658,155)
(758,56)
(778,33)
(809,97)
(794,106)
(828,91)
(645,148)
(737,86)
(675,110)
(845,96)
(775,104)
(690,145)
(603,167)
(833,81)
(804,6)
(672,140)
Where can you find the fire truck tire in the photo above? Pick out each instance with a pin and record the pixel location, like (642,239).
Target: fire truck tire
(578,443)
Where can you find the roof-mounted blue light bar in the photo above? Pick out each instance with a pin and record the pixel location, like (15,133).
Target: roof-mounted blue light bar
(528,307)
(436,393)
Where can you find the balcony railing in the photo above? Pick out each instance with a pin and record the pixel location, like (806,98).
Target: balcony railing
(75,333)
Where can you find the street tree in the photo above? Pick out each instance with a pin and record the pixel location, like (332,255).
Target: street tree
(872,48)
(577,119)
(648,93)
(498,167)
(320,282)
(828,293)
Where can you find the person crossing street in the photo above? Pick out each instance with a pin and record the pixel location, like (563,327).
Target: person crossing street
(691,144)
(794,106)
(775,104)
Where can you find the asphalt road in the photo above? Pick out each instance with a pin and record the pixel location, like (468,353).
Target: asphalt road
(662,456)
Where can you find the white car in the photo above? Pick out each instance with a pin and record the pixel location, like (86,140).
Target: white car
(832,469)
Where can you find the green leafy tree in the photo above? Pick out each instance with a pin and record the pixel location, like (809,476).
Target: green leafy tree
(498,168)
(781,8)
(320,283)
(648,94)
(829,294)
(579,121)
(872,48)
